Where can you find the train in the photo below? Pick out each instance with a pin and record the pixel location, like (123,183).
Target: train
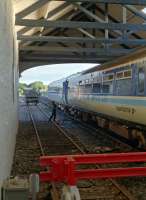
(113,94)
(31,96)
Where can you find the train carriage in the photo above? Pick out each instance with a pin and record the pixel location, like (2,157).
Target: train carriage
(115,90)
(31,96)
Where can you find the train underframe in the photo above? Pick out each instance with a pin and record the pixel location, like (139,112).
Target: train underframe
(128,132)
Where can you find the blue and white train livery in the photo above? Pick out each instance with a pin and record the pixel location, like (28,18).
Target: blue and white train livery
(116,89)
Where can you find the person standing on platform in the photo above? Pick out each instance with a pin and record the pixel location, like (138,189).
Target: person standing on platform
(53,115)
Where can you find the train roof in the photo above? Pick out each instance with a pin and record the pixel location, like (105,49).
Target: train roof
(136,55)
(59,82)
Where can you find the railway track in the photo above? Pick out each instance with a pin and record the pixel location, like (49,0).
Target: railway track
(93,129)
(99,133)
(136,186)
(41,140)
(122,192)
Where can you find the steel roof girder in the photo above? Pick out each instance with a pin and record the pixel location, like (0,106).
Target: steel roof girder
(98,51)
(80,24)
(52,39)
(123,2)
(31,8)
(136,11)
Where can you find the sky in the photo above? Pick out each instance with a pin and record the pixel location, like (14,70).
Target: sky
(50,73)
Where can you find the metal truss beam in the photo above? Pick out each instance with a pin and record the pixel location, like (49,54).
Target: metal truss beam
(124,34)
(129,2)
(80,24)
(56,10)
(50,14)
(135,11)
(31,8)
(40,3)
(67,58)
(71,17)
(53,31)
(93,16)
(52,39)
(27,64)
(86,33)
(88,13)
(99,51)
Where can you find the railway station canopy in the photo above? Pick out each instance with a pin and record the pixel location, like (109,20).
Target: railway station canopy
(73,31)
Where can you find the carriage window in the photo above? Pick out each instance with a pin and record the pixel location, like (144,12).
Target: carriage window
(127,74)
(88,88)
(108,77)
(96,88)
(141,81)
(106,89)
(98,79)
(119,75)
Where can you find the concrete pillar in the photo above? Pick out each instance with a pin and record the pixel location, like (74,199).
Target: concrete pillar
(8,88)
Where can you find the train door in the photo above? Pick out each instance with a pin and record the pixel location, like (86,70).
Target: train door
(141,80)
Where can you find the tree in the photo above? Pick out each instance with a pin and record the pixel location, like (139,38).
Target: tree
(38,85)
(22,87)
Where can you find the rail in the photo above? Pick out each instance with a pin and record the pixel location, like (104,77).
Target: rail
(36,131)
(122,189)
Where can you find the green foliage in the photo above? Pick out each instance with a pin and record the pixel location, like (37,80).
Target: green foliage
(22,87)
(38,86)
